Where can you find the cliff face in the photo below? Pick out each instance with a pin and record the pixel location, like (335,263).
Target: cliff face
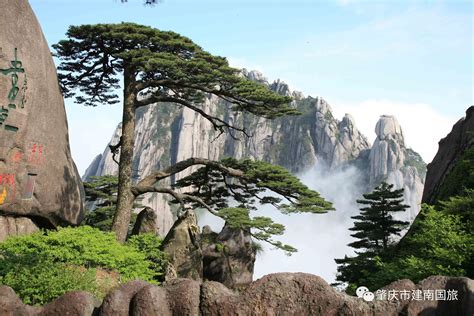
(451,150)
(391,161)
(166,134)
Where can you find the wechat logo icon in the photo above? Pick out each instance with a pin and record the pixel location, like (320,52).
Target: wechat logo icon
(364,293)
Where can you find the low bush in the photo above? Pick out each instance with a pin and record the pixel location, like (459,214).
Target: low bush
(45,265)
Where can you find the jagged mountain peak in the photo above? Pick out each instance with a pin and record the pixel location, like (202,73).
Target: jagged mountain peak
(278,85)
(254,75)
(167,134)
(321,105)
(348,123)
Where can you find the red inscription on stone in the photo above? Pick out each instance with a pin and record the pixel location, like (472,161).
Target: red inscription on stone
(35,156)
(7,180)
(17,157)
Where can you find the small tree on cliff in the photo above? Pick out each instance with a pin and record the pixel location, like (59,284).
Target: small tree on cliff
(373,228)
(158,66)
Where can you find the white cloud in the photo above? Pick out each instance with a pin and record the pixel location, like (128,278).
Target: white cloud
(422,125)
(238,62)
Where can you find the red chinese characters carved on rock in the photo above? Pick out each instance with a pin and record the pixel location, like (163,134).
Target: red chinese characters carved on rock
(7,181)
(36,154)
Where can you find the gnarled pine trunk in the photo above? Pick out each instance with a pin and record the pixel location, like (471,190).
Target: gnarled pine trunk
(125,196)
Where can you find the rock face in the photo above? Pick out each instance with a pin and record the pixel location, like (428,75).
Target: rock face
(451,148)
(391,161)
(275,294)
(146,222)
(166,134)
(38,179)
(228,257)
(182,245)
(11,226)
(117,302)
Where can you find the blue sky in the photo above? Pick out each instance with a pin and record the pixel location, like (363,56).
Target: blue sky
(413,59)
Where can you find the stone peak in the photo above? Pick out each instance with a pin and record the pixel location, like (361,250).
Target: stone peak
(388,127)
(279,86)
(254,75)
(322,105)
(348,120)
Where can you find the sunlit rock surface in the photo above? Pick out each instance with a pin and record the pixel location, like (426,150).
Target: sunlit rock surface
(38,178)
(298,294)
(391,161)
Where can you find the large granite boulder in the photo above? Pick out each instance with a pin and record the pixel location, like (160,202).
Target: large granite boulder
(38,178)
(118,301)
(11,304)
(10,225)
(456,297)
(182,245)
(147,222)
(296,294)
(175,297)
(228,257)
(77,303)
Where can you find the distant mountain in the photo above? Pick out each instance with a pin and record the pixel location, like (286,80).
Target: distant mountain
(166,133)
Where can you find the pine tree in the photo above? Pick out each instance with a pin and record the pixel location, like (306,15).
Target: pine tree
(164,67)
(101,201)
(214,190)
(374,228)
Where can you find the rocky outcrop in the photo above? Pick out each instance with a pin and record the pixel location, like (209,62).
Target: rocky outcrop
(146,222)
(228,257)
(118,301)
(72,303)
(75,303)
(275,294)
(451,149)
(391,161)
(287,294)
(176,297)
(182,245)
(38,178)
(11,226)
(11,304)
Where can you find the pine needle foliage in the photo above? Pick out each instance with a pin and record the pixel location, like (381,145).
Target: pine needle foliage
(101,197)
(155,67)
(257,186)
(374,229)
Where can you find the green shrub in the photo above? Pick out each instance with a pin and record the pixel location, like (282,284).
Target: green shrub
(45,265)
(438,245)
(150,245)
(38,280)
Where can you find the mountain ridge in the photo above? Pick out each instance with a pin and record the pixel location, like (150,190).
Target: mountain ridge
(166,134)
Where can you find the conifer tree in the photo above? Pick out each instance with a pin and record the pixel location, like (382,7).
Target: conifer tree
(165,67)
(101,202)
(374,228)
